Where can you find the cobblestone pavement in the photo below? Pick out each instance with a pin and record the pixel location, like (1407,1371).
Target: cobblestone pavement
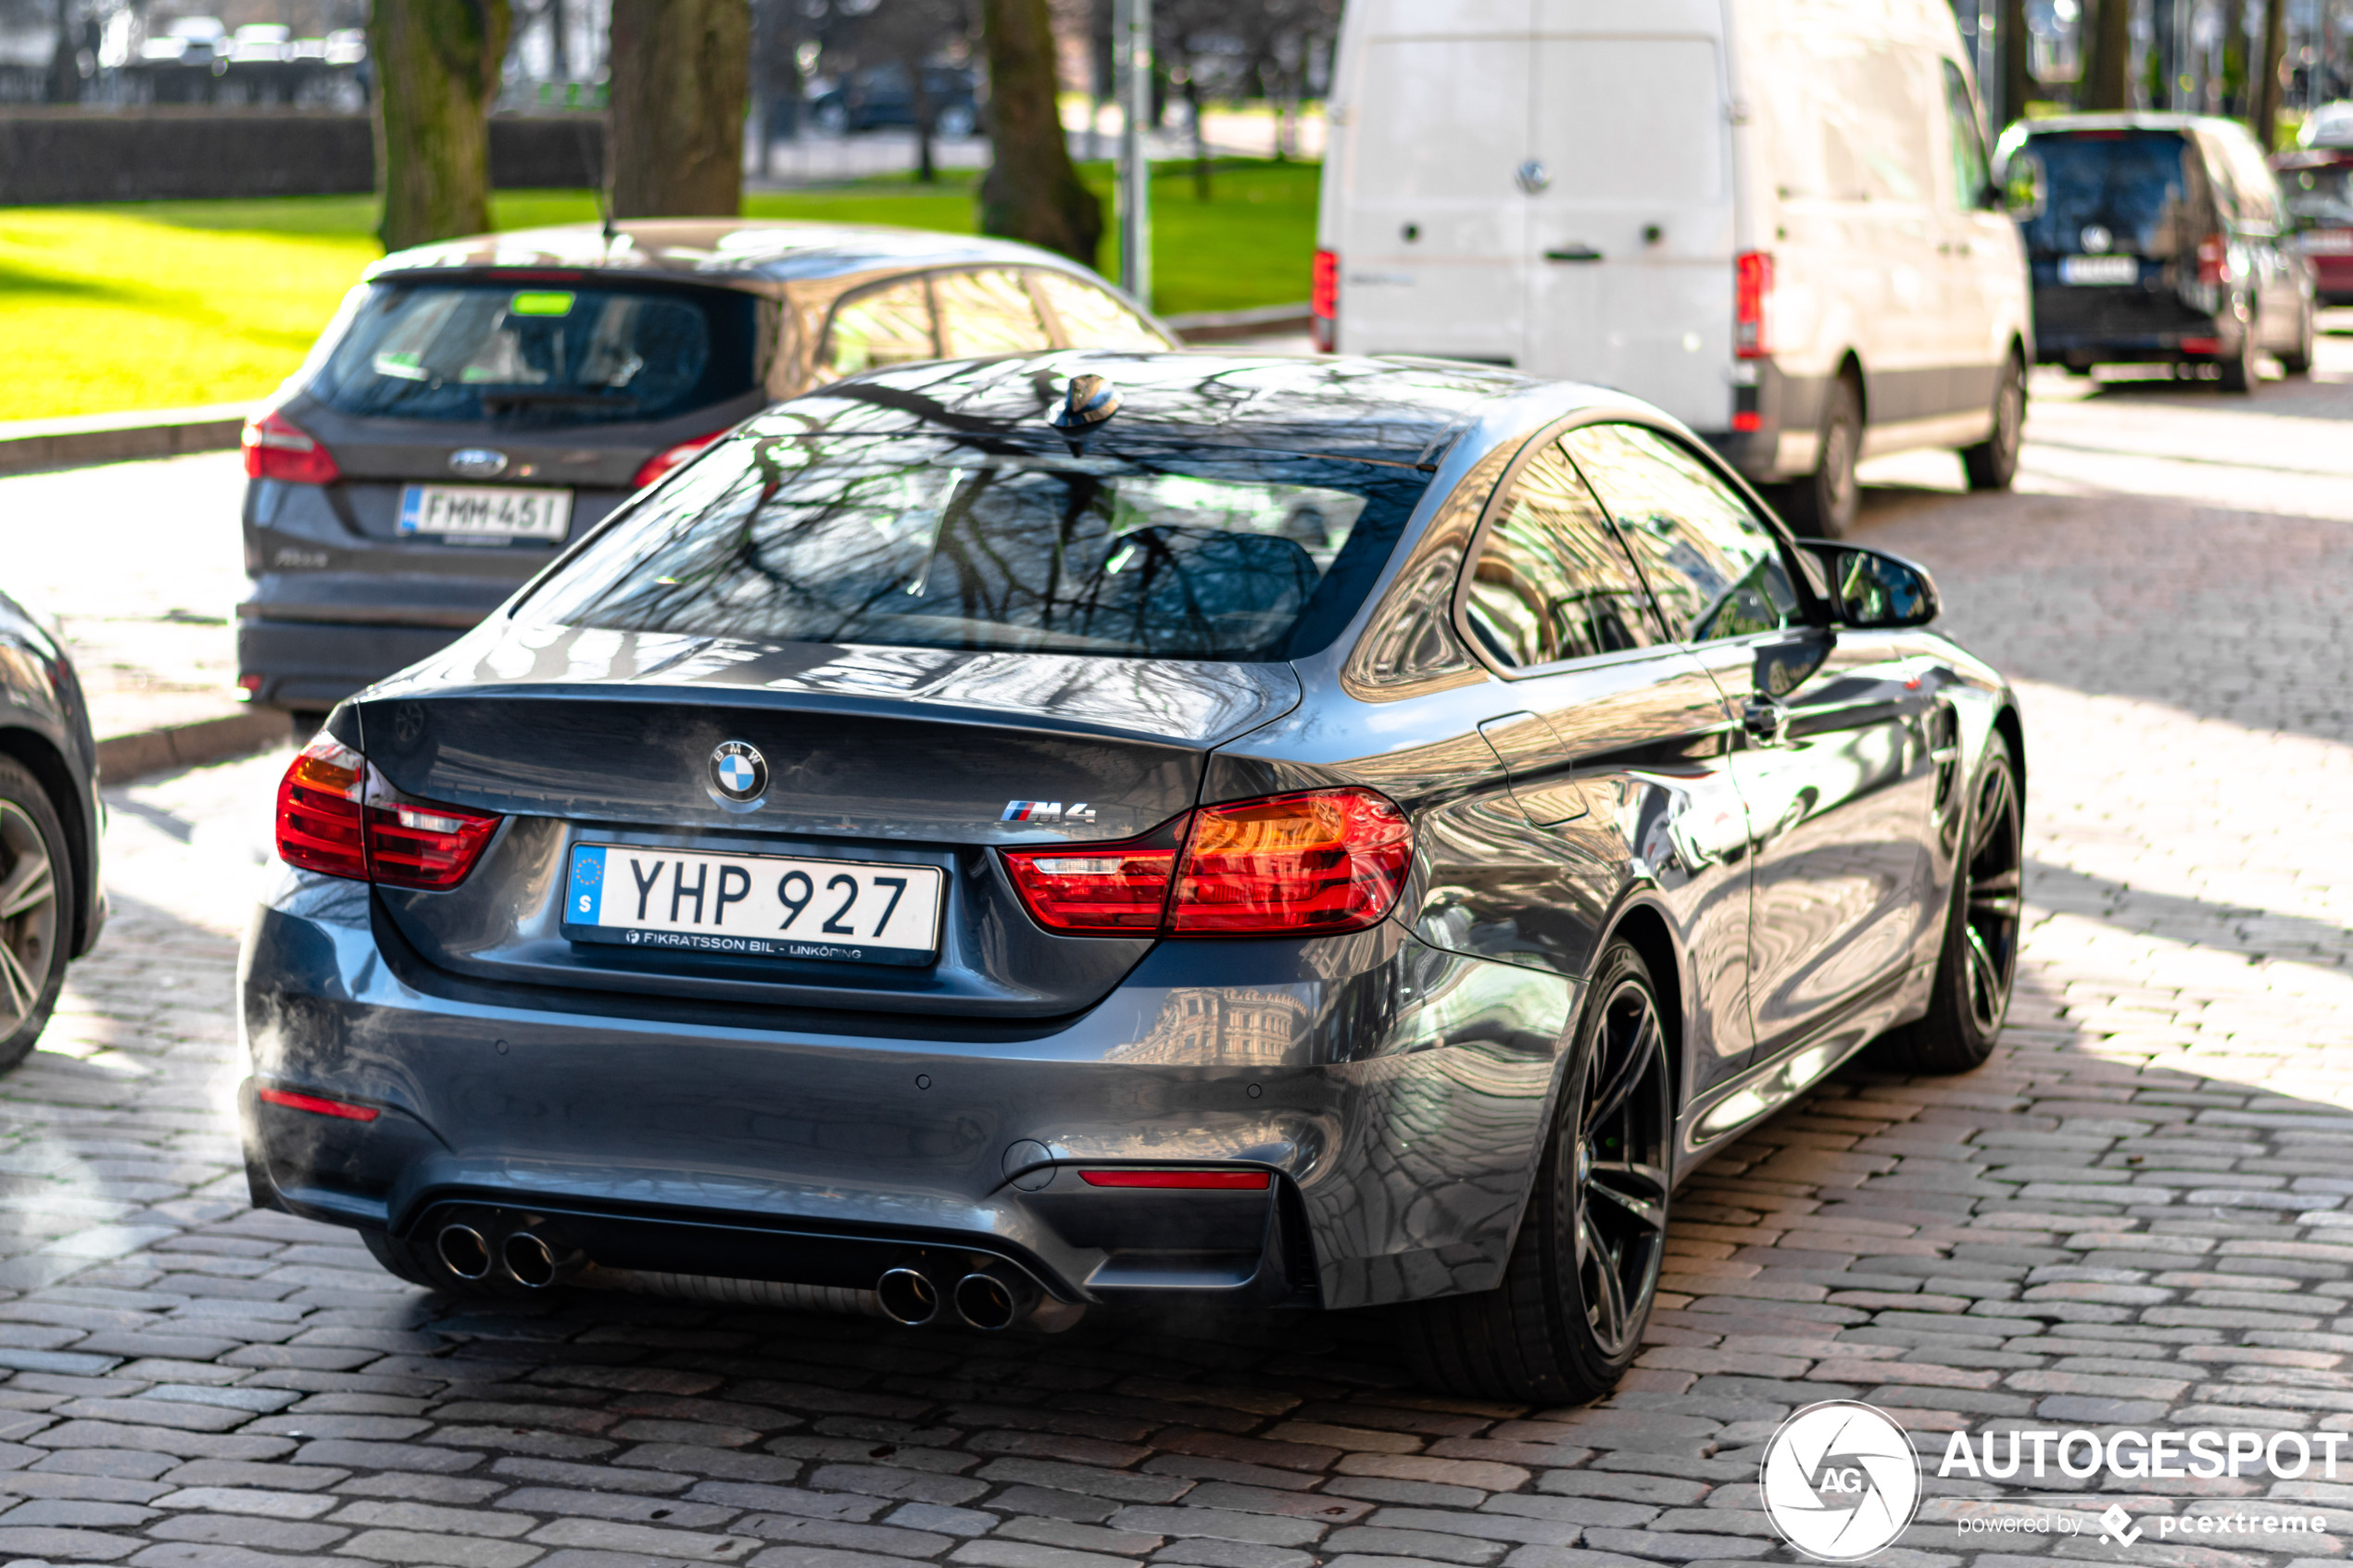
(2137,1214)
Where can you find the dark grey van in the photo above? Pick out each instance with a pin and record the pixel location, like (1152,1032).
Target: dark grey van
(2158,239)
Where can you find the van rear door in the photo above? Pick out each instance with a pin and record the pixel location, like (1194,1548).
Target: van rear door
(1431,226)
(1631,238)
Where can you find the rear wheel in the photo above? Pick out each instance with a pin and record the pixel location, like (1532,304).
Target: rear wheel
(1977,962)
(1824,502)
(2239,373)
(34,928)
(2298,361)
(1992,463)
(1568,1316)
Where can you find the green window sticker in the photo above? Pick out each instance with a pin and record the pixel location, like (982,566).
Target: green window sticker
(541,302)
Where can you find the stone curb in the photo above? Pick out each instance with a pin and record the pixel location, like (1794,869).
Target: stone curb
(29,444)
(122,759)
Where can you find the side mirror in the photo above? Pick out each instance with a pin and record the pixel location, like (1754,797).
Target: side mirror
(1874,590)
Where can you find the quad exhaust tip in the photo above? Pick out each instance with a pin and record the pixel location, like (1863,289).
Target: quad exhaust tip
(907,1297)
(530,1260)
(987,1302)
(463,1252)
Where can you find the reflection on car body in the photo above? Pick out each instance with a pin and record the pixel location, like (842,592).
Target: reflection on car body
(1422,928)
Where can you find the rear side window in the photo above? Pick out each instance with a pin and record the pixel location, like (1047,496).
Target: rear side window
(890,325)
(929,541)
(1091,317)
(2140,186)
(539,353)
(986,312)
(1714,569)
(2322,195)
(1551,583)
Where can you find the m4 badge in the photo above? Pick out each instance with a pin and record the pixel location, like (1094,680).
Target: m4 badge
(1046,811)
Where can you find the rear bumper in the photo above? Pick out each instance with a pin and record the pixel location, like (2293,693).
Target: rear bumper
(1394,1095)
(318,663)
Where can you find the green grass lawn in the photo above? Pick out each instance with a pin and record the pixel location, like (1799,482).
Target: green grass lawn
(156,305)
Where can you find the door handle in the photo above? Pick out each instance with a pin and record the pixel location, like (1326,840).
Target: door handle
(1573,252)
(1766,720)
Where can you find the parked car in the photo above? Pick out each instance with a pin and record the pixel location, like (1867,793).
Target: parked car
(1779,229)
(878,97)
(477,404)
(2318,186)
(2158,238)
(995,838)
(52,903)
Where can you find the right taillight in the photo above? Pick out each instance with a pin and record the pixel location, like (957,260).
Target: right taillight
(1323,301)
(336,816)
(278,448)
(1752,305)
(2213,259)
(1310,863)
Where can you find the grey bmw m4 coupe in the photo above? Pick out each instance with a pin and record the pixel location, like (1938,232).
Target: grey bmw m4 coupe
(996,838)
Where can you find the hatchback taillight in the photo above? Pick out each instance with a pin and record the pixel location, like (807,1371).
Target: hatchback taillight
(1753,304)
(2213,259)
(669,458)
(336,816)
(1317,861)
(278,448)
(1323,301)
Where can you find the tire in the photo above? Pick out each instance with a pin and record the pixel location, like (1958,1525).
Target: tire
(2298,362)
(1823,504)
(1977,963)
(1992,464)
(1567,1318)
(2238,372)
(36,910)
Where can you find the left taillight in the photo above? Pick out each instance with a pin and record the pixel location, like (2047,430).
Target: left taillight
(336,816)
(669,458)
(1753,304)
(2213,259)
(1311,863)
(1322,302)
(276,448)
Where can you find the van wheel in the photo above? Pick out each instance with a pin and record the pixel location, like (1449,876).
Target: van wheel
(2238,371)
(1992,464)
(34,927)
(1567,1319)
(1977,963)
(2298,361)
(1823,505)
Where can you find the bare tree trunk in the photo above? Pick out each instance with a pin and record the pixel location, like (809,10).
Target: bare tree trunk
(2267,92)
(558,42)
(1031,192)
(436,67)
(926,117)
(680,73)
(65,71)
(2018,62)
(2109,74)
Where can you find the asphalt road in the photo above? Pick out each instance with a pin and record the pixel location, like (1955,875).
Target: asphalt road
(2137,1214)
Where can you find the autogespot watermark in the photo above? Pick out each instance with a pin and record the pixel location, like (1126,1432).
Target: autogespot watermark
(1841,1481)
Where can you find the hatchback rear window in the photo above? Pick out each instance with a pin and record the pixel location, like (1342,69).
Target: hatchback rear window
(925,540)
(2141,186)
(546,353)
(2323,197)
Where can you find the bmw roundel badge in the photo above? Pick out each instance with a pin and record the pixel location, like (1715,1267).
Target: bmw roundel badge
(737,771)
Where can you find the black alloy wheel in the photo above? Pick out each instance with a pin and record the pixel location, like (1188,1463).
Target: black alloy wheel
(1567,1317)
(1992,463)
(1976,966)
(34,933)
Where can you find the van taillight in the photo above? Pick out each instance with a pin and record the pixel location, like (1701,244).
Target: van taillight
(1753,304)
(336,817)
(2213,259)
(1323,301)
(276,448)
(1304,864)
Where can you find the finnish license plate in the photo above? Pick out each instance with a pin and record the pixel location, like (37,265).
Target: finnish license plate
(489,513)
(2096,269)
(2328,242)
(761,906)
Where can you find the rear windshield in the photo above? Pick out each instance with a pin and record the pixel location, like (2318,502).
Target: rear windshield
(923,541)
(2138,185)
(2320,195)
(539,353)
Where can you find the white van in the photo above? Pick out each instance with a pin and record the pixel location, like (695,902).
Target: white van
(1771,217)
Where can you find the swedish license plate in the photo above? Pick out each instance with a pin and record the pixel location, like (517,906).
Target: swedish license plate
(761,906)
(2328,242)
(2098,270)
(486,513)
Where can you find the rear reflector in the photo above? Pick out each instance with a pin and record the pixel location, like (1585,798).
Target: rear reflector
(669,458)
(1210,1180)
(2201,345)
(317,1107)
(278,448)
(1311,863)
(334,816)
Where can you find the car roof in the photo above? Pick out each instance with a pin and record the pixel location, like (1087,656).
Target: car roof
(2129,119)
(1394,410)
(719,250)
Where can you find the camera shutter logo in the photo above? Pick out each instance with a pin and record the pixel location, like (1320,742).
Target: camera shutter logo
(1839,1481)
